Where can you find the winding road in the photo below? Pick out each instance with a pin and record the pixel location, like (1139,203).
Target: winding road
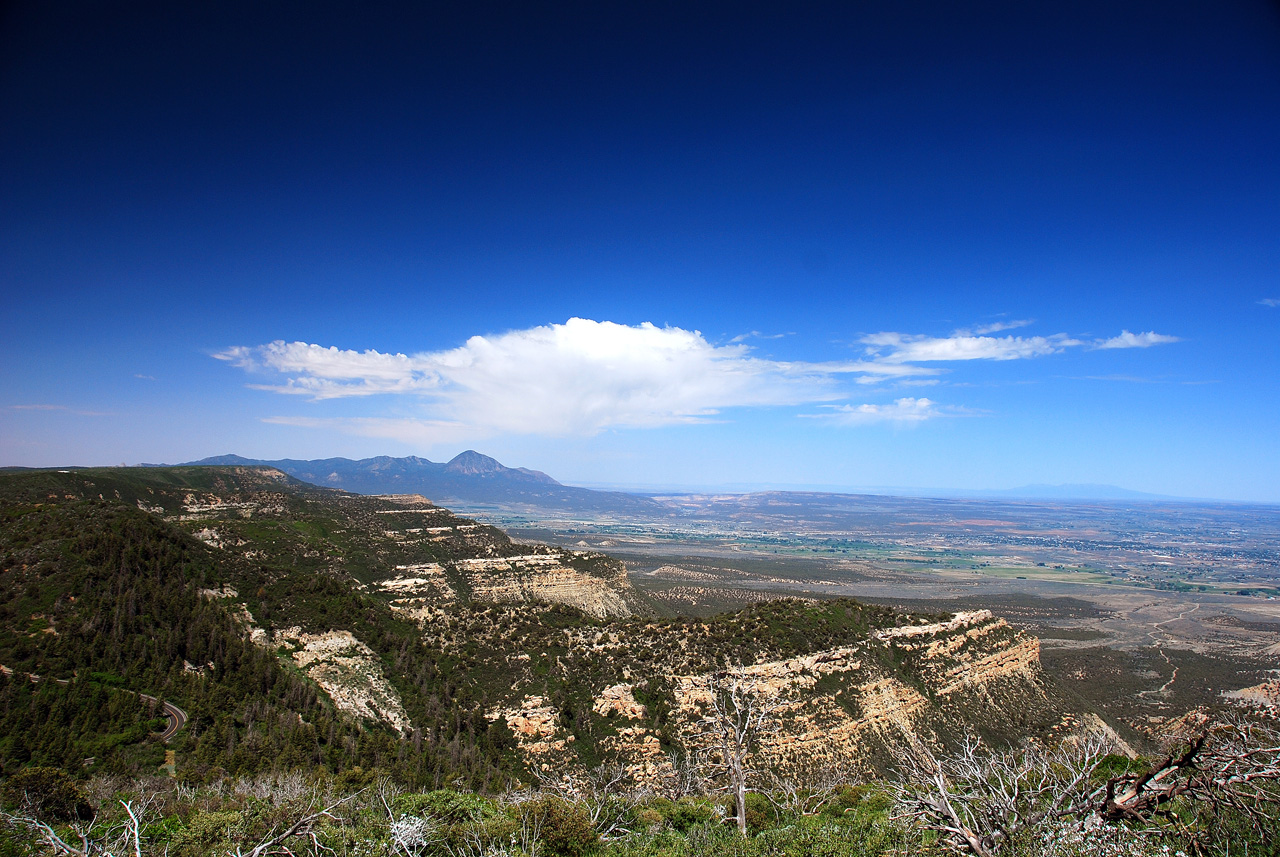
(176,717)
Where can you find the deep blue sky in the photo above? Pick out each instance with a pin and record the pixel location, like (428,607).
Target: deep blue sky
(181,180)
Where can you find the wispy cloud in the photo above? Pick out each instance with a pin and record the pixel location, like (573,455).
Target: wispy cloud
(1271,302)
(905,410)
(402,429)
(583,377)
(902,348)
(996,327)
(1135,340)
(1128,379)
(755,334)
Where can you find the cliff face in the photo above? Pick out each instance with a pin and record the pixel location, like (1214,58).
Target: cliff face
(540,576)
(419,554)
(849,707)
(349,672)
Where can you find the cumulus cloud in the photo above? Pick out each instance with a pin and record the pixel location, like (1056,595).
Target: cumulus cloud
(585,376)
(905,410)
(1135,340)
(575,378)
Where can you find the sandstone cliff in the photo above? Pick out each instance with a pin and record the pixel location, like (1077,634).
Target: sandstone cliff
(849,707)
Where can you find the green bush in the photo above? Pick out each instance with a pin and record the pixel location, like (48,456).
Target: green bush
(48,793)
(816,837)
(564,828)
(447,807)
(760,813)
(689,812)
(203,831)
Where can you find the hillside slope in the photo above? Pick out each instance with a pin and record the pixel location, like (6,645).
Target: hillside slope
(303,626)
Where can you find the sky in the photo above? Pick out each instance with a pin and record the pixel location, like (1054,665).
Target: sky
(924,245)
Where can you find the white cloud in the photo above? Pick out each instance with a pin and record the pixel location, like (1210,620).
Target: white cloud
(1135,340)
(905,410)
(755,334)
(902,349)
(331,373)
(997,326)
(561,379)
(583,377)
(1271,302)
(890,348)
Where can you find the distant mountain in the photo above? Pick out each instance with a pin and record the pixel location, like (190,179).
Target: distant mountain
(1072,491)
(474,478)
(472,463)
(469,477)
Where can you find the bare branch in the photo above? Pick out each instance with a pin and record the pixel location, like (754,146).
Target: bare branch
(737,713)
(304,827)
(603,791)
(50,836)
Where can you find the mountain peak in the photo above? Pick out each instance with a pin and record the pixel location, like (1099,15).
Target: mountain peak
(226,461)
(472,463)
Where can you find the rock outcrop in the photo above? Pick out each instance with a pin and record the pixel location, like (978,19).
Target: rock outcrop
(349,672)
(546,575)
(850,708)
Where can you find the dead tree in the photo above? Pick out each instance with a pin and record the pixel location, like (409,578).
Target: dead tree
(805,795)
(303,828)
(737,713)
(79,843)
(688,775)
(88,838)
(1232,765)
(979,800)
(604,791)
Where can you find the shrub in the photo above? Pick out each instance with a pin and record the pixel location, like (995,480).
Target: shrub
(760,813)
(48,793)
(565,828)
(203,831)
(447,807)
(689,812)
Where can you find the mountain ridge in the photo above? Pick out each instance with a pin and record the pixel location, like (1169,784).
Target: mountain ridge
(472,476)
(469,477)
